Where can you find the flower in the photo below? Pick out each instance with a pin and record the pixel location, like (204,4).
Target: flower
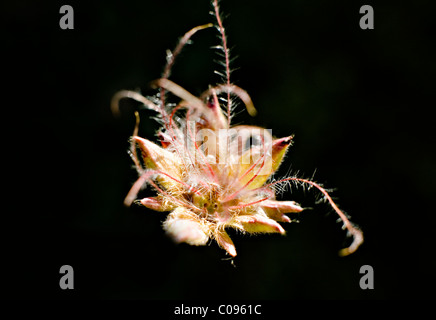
(206,197)
(208,174)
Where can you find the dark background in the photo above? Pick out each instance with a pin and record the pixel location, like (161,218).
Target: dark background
(358,101)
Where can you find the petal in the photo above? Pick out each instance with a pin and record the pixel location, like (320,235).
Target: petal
(154,156)
(225,242)
(258,224)
(254,170)
(182,227)
(158,158)
(276,209)
(155,203)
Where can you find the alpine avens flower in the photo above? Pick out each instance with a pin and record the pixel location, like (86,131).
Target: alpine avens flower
(209,175)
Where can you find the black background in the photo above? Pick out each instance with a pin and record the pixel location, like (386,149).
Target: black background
(358,101)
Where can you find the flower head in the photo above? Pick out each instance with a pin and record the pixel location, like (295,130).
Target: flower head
(208,174)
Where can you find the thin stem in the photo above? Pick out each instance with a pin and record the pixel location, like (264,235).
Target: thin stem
(232,89)
(133,144)
(115,107)
(171,58)
(226,55)
(352,229)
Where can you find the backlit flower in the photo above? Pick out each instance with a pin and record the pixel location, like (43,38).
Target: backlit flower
(208,174)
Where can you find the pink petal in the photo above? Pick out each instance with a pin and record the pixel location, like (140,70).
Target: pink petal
(276,209)
(154,203)
(259,224)
(225,242)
